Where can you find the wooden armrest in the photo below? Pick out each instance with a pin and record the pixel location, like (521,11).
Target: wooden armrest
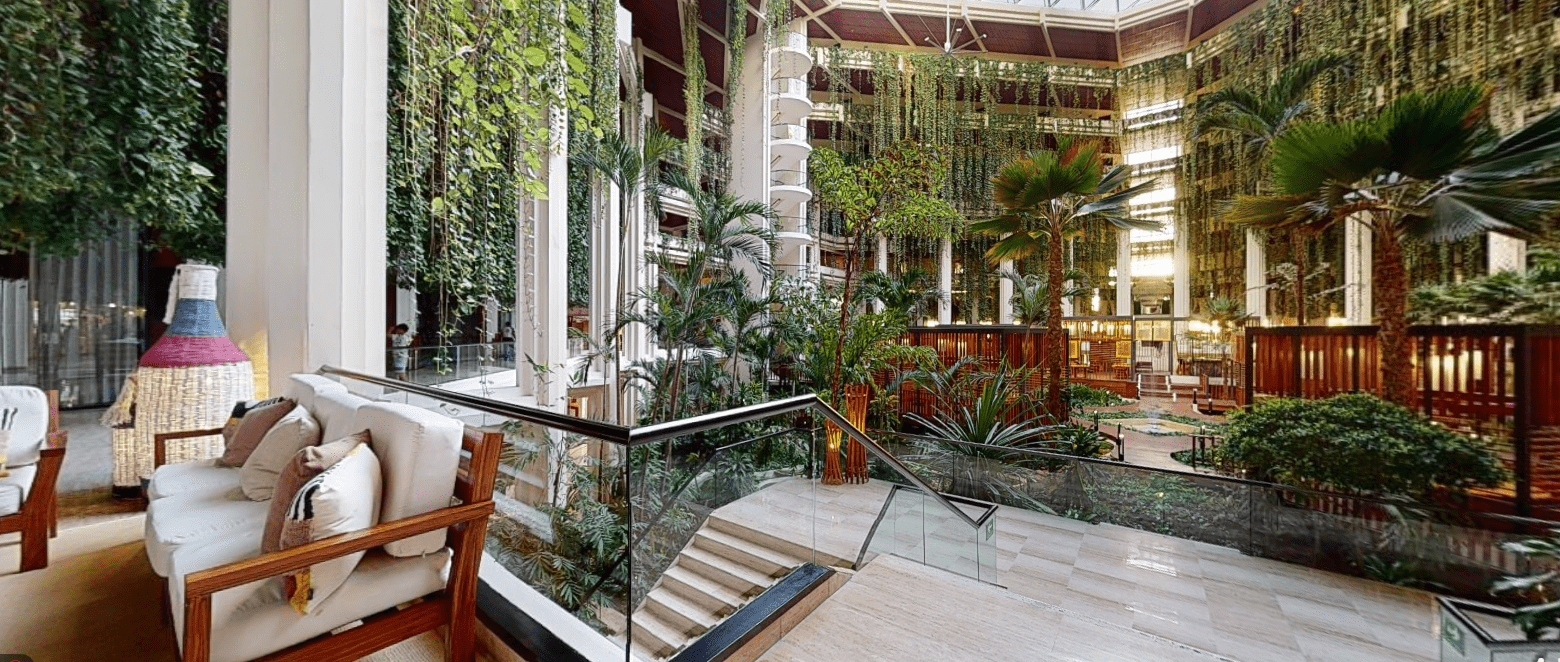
(202,584)
(54,443)
(160,442)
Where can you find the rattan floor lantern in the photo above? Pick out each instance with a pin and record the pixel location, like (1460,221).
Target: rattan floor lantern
(189,380)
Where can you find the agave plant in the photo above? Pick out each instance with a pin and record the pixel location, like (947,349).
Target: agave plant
(1048,196)
(976,448)
(1427,167)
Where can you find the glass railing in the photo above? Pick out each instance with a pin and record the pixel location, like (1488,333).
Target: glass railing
(1412,544)
(790,87)
(447,363)
(788,178)
(653,535)
(793,224)
(794,41)
(794,132)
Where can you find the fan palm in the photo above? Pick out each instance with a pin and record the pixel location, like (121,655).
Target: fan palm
(910,291)
(635,170)
(1426,167)
(1032,296)
(1257,119)
(1048,196)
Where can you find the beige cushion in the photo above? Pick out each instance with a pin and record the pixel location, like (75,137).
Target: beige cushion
(337,413)
(252,426)
(14,489)
(342,499)
(26,411)
(189,519)
(5,444)
(420,452)
(304,387)
(197,476)
(295,431)
(303,467)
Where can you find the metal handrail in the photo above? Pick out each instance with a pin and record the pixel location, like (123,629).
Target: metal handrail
(640,436)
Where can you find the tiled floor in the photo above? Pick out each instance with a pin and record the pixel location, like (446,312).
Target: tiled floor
(1096,593)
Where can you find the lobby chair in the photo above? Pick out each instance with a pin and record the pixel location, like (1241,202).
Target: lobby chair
(28,504)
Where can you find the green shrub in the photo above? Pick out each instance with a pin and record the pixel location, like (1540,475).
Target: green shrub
(1083,395)
(1355,442)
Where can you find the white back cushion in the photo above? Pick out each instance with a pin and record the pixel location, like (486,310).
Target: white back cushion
(28,423)
(337,413)
(291,434)
(419,452)
(305,386)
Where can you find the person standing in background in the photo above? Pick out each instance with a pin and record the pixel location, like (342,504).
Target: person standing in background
(400,355)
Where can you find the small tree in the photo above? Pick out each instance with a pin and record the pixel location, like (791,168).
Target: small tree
(897,193)
(1048,196)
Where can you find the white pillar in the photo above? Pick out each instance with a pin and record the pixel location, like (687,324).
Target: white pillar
(1123,273)
(306,203)
(1005,295)
(881,260)
(750,162)
(1181,306)
(945,281)
(1506,253)
(1357,262)
(542,283)
(1256,275)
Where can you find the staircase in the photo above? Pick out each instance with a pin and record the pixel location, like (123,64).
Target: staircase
(720,570)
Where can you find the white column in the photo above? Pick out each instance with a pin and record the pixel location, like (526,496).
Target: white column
(542,283)
(1181,306)
(1357,262)
(945,281)
(1123,273)
(307,90)
(1256,275)
(881,258)
(1506,253)
(1005,295)
(750,162)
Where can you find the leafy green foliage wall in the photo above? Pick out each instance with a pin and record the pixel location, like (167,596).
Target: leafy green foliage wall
(471,86)
(112,114)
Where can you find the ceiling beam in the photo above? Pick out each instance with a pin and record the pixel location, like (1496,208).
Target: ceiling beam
(980,39)
(883,6)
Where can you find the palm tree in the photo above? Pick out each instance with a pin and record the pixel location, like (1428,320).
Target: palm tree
(1258,118)
(909,292)
(635,170)
(1032,296)
(1427,167)
(686,307)
(1048,196)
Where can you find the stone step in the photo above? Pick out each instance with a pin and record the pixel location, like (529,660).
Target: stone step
(735,576)
(715,597)
(692,618)
(773,543)
(655,636)
(751,554)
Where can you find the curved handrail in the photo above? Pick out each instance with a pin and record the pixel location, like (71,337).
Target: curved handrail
(648,434)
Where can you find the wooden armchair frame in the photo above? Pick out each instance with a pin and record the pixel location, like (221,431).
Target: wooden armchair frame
(38,518)
(455,605)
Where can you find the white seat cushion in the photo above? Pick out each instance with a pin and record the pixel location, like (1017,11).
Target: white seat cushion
(305,387)
(337,414)
(14,489)
(186,519)
(27,423)
(419,452)
(199,476)
(254,620)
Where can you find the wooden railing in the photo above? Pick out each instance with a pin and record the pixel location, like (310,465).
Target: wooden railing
(1500,382)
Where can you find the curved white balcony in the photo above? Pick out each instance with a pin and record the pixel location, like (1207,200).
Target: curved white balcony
(792,100)
(791,57)
(789,224)
(789,144)
(789,188)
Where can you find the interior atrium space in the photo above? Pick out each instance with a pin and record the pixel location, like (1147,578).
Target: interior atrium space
(780,330)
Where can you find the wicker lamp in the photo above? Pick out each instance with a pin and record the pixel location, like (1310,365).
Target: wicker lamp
(189,380)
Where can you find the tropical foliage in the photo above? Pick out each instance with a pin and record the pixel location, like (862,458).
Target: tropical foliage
(1507,297)
(112,118)
(1427,167)
(1540,619)
(1356,442)
(1048,195)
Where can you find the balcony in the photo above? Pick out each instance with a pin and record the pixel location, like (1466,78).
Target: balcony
(789,144)
(794,224)
(791,57)
(788,188)
(792,100)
